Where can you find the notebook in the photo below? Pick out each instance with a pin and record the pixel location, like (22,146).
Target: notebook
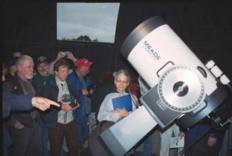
(122,102)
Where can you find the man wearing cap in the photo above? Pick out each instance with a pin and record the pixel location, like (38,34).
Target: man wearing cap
(42,76)
(39,81)
(79,78)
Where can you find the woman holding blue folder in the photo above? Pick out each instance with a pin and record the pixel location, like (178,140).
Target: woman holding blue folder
(120,103)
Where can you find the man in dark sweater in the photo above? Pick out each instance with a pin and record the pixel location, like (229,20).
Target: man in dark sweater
(23,126)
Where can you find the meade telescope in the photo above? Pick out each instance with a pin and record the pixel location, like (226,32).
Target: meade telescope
(181,87)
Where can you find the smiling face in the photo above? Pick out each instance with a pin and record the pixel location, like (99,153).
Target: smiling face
(61,68)
(43,69)
(121,82)
(62,73)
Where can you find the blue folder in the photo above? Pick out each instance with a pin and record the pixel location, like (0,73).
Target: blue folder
(122,102)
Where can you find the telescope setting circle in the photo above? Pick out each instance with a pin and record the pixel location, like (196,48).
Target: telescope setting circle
(180,89)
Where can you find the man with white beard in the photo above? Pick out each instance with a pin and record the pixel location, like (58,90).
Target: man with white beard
(24,128)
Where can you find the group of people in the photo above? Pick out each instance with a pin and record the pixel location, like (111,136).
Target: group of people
(58,101)
(45,129)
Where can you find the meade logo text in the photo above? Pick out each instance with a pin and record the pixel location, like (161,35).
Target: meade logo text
(149,49)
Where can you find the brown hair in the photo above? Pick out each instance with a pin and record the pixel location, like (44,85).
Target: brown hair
(61,62)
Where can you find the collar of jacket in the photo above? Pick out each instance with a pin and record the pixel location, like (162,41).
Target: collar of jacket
(53,82)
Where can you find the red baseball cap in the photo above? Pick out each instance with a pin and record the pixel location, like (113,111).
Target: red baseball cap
(83,62)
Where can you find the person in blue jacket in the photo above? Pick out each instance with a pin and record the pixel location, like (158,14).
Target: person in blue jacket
(80,81)
(12,102)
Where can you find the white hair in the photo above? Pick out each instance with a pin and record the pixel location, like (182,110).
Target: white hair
(122,71)
(22,58)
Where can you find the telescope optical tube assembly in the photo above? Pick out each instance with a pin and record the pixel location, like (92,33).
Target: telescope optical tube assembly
(182,89)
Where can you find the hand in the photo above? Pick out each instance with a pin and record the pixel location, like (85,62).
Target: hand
(70,55)
(18,125)
(121,112)
(181,135)
(75,106)
(85,92)
(60,55)
(43,103)
(66,107)
(91,91)
(211,141)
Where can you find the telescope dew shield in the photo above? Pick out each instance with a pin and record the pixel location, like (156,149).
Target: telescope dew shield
(153,47)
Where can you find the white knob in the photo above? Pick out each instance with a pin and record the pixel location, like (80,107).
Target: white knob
(216,71)
(210,64)
(224,79)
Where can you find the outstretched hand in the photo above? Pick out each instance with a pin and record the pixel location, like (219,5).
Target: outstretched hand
(43,103)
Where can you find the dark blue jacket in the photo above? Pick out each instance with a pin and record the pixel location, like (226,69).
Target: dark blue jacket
(80,114)
(13,102)
(13,86)
(50,91)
